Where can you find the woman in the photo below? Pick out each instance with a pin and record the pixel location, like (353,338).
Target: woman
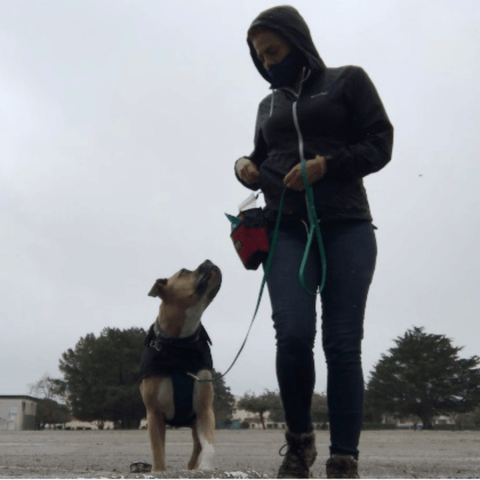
(335,120)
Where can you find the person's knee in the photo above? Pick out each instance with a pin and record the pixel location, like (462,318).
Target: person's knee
(341,358)
(343,348)
(296,341)
(296,345)
(294,331)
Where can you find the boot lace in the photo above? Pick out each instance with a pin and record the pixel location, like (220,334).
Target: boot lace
(294,454)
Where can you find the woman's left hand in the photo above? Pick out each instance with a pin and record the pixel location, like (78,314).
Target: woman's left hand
(315,169)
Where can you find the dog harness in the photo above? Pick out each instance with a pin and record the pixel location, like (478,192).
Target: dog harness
(177,358)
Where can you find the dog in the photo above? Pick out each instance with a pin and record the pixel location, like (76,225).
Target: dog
(176,379)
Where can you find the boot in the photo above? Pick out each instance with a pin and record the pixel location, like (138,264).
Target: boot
(301,454)
(342,466)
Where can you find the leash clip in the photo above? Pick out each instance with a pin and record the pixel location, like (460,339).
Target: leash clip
(200,380)
(154,344)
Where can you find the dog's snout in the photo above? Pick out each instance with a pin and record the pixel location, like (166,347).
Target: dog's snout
(209,274)
(208,266)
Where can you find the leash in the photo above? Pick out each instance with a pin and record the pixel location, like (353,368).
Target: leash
(314,229)
(268,265)
(312,214)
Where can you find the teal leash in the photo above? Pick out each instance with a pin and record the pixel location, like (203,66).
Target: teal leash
(314,229)
(312,214)
(268,265)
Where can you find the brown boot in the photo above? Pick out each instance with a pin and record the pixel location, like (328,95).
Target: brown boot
(301,454)
(342,466)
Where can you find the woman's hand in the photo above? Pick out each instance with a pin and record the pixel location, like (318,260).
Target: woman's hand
(316,169)
(247,170)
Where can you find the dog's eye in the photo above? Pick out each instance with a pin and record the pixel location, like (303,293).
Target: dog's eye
(184,271)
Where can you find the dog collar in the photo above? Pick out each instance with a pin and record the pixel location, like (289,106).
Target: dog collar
(160,339)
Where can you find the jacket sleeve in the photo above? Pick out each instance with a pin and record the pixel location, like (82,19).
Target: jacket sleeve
(372,133)
(260,147)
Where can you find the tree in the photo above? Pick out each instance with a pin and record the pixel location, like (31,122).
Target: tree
(424,376)
(260,404)
(319,409)
(46,388)
(101,377)
(471,418)
(272,403)
(49,410)
(276,413)
(223,403)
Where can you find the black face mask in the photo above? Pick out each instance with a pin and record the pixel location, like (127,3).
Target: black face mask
(285,72)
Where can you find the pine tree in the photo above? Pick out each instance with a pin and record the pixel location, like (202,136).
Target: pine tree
(424,376)
(101,377)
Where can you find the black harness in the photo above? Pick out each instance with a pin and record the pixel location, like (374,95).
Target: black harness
(177,358)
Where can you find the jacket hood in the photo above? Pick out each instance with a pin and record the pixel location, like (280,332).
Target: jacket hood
(287,22)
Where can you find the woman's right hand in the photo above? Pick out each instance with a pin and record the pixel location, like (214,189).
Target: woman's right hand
(247,170)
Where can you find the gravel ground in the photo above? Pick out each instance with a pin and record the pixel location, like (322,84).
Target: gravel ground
(239,454)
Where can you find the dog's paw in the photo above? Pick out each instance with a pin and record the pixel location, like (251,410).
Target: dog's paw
(206,461)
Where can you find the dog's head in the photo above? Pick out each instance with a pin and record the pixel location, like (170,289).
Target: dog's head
(187,289)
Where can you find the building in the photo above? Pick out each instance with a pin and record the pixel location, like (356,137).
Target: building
(246,419)
(414,422)
(17,412)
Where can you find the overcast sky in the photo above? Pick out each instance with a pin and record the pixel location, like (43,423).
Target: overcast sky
(120,124)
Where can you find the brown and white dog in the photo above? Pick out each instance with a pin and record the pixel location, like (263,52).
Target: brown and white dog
(178,336)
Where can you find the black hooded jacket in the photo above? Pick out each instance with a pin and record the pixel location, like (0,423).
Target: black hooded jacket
(341,118)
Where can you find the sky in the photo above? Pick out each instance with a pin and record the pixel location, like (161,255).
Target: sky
(120,122)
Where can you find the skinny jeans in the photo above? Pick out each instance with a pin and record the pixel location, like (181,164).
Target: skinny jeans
(350,248)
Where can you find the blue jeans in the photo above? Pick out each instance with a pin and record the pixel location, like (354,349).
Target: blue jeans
(350,249)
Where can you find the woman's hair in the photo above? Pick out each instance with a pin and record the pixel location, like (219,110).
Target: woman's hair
(254,31)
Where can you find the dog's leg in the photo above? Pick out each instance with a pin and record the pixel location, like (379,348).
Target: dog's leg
(206,433)
(154,391)
(205,425)
(197,448)
(156,431)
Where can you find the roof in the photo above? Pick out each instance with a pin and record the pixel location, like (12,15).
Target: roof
(15,397)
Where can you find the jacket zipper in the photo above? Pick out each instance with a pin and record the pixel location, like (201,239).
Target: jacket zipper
(313,228)
(299,132)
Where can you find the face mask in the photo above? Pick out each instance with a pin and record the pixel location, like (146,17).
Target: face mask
(284,73)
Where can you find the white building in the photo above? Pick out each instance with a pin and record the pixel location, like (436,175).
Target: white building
(242,417)
(17,412)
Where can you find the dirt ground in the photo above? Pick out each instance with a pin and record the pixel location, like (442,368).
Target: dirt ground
(239,454)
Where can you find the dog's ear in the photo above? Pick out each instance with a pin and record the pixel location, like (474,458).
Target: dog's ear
(158,288)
